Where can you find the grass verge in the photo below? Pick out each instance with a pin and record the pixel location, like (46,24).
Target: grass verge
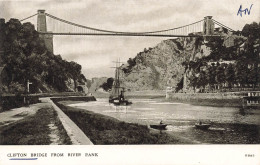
(33,130)
(103,129)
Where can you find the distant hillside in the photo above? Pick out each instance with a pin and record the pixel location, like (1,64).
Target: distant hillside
(24,57)
(96,83)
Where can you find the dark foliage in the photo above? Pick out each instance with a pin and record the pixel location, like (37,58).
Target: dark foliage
(131,63)
(26,58)
(9,102)
(108,85)
(179,85)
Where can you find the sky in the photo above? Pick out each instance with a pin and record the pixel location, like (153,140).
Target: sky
(97,53)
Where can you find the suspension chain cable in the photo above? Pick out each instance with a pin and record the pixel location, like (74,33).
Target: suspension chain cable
(116,32)
(220,24)
(28,17)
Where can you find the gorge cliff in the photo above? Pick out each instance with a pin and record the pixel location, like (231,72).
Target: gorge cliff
(162,66)
(197,63)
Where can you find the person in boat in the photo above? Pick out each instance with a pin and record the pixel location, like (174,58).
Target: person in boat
(200,123)
(161,122)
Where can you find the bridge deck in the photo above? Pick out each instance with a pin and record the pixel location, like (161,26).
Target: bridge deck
(129,34)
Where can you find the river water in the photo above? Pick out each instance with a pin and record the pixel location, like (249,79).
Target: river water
(229,125)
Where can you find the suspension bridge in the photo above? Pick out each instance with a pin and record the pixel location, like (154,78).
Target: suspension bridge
(59,26)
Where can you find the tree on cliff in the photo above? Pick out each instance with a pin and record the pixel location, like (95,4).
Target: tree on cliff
(26,58)
(193,80)
(220,76)
(210,75)
(251,30)
(230,75)
(202,81)
(131,63)
(250,56)
(108,85)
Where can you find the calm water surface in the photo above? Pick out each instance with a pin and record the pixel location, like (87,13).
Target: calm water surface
(229,124)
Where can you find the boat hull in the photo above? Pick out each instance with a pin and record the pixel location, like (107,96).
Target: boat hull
(202,126)
(118,102)
(159,126)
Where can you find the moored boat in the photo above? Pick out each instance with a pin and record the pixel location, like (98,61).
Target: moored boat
(120,100)
(117,93)
(202,126)
(159,126)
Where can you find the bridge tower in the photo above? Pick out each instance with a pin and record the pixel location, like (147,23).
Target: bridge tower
(42,28)
(208,26)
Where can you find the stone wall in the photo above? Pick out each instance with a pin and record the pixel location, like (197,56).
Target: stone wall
(187,96)
(233,99)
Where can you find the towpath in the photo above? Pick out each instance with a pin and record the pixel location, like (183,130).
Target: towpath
(15,115)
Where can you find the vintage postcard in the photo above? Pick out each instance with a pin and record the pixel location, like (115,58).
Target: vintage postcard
(130,82)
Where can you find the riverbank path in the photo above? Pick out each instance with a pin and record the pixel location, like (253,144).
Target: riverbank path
(15,115)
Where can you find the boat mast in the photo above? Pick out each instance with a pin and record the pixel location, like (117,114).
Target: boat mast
(116,85)
(117,78)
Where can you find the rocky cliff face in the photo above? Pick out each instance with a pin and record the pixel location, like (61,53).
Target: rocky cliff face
(161,66)
(186,63)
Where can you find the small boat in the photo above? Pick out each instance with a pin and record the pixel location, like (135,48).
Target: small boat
(158,126)
(202,126)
